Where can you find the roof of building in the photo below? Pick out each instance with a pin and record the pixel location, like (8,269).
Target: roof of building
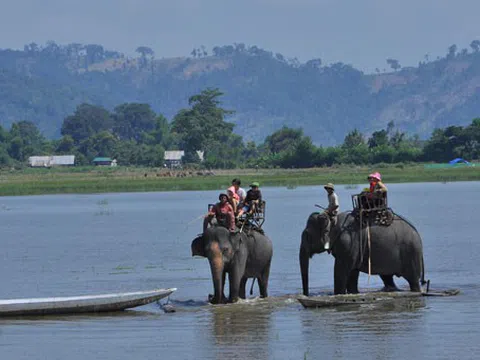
(174,154)
(102,159)
(178,154)
(50,160)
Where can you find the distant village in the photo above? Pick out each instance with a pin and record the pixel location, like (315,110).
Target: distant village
(172,160)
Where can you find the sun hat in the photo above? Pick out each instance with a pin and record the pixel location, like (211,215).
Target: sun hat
(375,175)
(329,186)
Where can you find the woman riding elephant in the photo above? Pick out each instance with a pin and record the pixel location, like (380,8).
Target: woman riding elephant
(242,255)
(394,250)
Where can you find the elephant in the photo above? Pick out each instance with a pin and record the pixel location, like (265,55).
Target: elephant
(395,250)
(242,255)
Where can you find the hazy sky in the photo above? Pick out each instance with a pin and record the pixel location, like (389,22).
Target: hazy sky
(362,33)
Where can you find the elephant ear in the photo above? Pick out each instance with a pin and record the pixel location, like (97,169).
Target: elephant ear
(236,240)
(198,246)
(323,222)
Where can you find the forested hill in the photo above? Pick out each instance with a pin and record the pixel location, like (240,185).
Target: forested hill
(44,84)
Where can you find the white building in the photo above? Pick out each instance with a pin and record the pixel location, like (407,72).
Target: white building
(48,161)
(173,158)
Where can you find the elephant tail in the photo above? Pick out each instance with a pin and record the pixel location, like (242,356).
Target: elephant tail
(251,287)
(422,281)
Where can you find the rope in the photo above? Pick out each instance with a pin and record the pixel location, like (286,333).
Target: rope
(360,241)
(404,219)
(369,254)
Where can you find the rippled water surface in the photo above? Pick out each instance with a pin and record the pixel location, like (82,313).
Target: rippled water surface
(88,244)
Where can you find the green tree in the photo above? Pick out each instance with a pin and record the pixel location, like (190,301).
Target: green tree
(132,120)
(475,45)
(65,145)
(226,154)
(202,126)
(284,139)
(160,133)
(353,139)
(378,138)
(26,140)
(126,152)
(302,155)
(190,157)
(85,122)
(5,159)
(101,144)
(394,64)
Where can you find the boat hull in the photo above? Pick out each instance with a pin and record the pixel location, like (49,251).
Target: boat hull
(81,304)
(366,298)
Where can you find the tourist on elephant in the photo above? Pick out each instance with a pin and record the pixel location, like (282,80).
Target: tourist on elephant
(376,184)
(333,205)
(223,212)
(378,190)
(240,191)
(233,198)
(253,198)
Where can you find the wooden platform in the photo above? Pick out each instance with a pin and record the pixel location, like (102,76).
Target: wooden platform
(367,298)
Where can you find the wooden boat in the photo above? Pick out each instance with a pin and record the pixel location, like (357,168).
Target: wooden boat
(366,298)
(81,304)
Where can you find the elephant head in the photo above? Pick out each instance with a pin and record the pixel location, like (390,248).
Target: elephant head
(220,247)
(315,240)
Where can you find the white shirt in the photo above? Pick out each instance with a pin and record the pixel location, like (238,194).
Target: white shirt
(332,202)
(242,194)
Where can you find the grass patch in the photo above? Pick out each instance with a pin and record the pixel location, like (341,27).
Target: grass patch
(91,180)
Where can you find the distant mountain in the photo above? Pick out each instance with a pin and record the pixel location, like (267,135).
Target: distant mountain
(44,84)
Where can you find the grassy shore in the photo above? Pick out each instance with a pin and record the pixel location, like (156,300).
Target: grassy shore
(122,179)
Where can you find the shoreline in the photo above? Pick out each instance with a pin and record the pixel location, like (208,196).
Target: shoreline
(90,180)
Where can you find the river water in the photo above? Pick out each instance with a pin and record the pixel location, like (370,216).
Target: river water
(66,245)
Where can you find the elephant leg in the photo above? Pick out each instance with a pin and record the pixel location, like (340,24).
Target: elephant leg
(414,283)
(243,285)
(224,298)
(234,279)
(388,283)
(352,283)
(212,299)
(263,281)
(340,277)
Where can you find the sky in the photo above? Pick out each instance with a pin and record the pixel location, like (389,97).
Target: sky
(362,33)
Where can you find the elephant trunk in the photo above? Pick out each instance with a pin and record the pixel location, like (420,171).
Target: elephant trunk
(304,257)
(217,267)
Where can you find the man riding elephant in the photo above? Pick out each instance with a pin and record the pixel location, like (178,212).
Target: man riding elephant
(333,205)
(223,212)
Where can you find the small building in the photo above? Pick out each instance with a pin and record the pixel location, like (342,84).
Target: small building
(173,158)
(104,161)
(49,161)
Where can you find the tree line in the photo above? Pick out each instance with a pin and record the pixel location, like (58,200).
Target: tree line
(135,135)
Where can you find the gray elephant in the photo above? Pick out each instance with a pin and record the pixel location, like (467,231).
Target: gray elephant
(242,255)
(395,250)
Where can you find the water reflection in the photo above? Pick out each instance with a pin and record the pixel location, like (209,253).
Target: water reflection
(240,330)
(374,328)
(100,316)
